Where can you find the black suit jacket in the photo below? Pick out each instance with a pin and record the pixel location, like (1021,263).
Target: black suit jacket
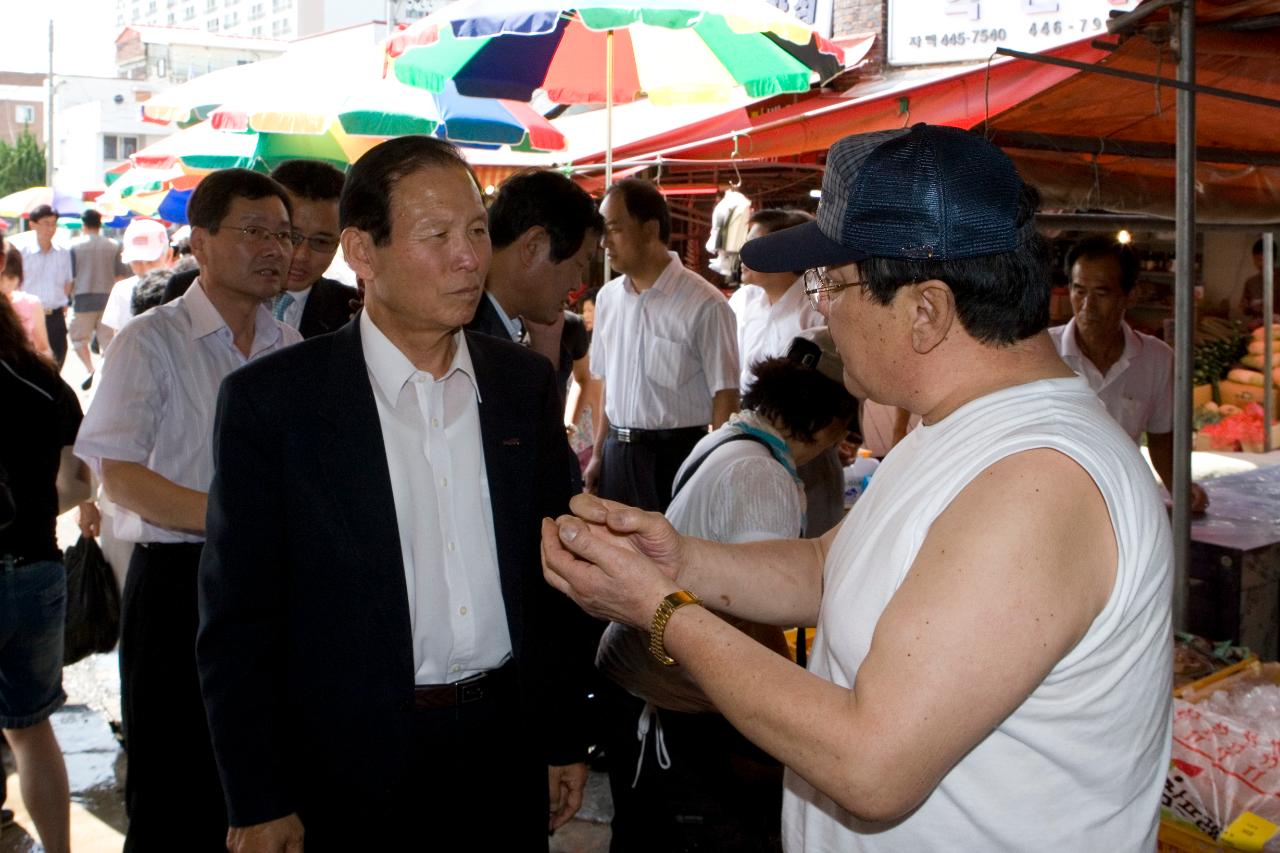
(304,619)
(487,321)
(328,308)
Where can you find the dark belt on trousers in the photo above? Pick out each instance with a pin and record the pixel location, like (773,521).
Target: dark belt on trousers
(478,688)
(630,435)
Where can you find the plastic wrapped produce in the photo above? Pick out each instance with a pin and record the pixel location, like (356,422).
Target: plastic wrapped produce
(1225,777)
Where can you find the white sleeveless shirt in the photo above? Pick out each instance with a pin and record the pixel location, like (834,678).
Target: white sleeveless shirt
(1080,764)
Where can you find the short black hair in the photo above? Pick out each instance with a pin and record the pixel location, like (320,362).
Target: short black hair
(366,196)
(40,212)
(549,199)
(1000,299)
(91,218)
(148,292)
(309,179)
(212,197)
(644,202)
(1099,248)
(798,398)
(776,218)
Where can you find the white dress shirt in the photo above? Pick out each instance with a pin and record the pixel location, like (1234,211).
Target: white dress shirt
(119,310)
(765,329)
(663,353)
(514,327)
(159,390)
(46,274)
(1138,389)
(431,429)
(293,312)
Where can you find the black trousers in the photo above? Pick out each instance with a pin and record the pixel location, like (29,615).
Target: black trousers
(475,781)
(720,794)
(56,325)
(172,792)
(641,473)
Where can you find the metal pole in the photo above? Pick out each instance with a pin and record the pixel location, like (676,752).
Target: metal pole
(1268,307)
(608,125)
(1184,307)
(48,143)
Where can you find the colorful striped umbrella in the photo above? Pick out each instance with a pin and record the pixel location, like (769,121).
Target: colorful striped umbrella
(203,147)
(607,52)
(307,94)
(672,51)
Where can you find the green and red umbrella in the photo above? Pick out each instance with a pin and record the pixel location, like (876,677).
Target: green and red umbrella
(672,51)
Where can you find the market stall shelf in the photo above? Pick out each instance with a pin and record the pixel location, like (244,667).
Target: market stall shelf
(1235,562)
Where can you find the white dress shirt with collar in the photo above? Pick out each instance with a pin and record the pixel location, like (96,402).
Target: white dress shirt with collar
(765,329)
(663,353)
(293,312)
(46,274)
(159,391)
(1138,389)
(431,429)
(514,326)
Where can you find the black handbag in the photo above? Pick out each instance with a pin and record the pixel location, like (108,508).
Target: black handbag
(93,602)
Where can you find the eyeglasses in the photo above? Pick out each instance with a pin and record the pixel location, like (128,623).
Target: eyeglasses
(319,245)
(258,234)
(820,287)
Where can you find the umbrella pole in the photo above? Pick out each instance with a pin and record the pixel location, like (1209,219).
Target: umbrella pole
(1184,308)
(608,125)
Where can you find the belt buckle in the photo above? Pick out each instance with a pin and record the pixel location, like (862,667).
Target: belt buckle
(624,434)
(471,689)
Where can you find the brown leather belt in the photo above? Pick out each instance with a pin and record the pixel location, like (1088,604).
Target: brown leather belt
(478,688)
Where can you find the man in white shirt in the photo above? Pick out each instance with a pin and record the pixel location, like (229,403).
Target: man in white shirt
(372,565)
(47,273)
(665,348)
(772,309)
(1131,373)
(992,661)
(148,434)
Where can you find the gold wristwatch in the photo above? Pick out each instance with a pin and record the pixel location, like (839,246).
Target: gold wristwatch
(661,616)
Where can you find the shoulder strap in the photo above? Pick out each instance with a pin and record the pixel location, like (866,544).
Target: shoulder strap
(689,472)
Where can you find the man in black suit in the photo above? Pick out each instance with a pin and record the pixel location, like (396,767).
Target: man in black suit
(312,304)
(372,565)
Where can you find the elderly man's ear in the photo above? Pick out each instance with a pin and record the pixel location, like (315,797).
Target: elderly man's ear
(933,309)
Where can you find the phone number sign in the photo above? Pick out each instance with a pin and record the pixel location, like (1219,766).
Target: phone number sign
(923,32)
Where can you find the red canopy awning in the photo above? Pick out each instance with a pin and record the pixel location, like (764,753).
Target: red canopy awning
(1098,141)
(777,128)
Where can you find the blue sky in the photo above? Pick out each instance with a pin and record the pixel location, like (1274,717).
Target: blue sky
(84,36)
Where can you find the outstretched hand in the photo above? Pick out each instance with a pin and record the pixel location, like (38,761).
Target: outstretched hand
(615,562)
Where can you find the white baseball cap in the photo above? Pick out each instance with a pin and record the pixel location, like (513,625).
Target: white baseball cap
(144,240)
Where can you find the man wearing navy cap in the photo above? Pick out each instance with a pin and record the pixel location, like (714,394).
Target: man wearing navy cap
(992,661)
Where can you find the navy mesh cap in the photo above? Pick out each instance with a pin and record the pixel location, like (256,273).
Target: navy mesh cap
(927,192)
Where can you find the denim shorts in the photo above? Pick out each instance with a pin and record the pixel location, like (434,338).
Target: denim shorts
(33,604)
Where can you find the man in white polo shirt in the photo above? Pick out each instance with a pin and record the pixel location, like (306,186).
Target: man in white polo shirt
(47,274)
(1131,373)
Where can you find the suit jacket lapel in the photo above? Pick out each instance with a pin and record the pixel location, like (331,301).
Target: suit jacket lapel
(353,458)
